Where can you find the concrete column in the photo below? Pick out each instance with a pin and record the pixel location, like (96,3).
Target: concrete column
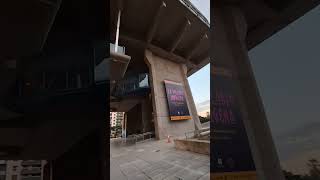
(230,52)
(162,69)
(193,109)
(82,161)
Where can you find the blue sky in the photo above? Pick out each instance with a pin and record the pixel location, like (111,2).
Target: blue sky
(200,81)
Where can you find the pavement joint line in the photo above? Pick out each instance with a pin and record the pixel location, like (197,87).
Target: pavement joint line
(123,173)
(203,176)
(173,161)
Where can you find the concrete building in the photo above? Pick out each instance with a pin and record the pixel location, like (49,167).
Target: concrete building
(53,82)
(116,119)
(238,26)
(25,169)
(149,54)
(53,91)
(117,124)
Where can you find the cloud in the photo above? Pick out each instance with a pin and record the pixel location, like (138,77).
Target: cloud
(203,107)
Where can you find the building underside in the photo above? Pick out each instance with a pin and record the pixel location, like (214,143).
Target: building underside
(53,94)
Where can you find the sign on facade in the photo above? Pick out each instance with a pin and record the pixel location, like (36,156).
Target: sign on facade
(177,103)
(231,156)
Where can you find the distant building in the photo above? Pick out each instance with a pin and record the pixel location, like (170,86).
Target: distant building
(116,123)
(116,118)
(24,170)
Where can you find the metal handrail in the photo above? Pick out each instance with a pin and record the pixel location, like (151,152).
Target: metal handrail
(197,133)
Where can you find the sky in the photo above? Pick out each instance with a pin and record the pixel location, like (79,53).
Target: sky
(287,71)
(200,81)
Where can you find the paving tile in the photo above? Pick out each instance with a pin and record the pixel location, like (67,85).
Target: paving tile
(157,160)
(205,177)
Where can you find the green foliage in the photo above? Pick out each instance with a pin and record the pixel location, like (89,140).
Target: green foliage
(314,172)
(314,169)
(203,119)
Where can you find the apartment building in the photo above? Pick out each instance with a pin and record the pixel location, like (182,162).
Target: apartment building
(24,170)
(116,118)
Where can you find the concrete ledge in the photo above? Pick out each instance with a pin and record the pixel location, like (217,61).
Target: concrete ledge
(193,145)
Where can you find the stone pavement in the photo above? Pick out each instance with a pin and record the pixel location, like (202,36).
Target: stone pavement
(156,160)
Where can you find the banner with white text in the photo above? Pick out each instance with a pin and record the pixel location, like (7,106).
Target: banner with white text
(231,156)
(177,104)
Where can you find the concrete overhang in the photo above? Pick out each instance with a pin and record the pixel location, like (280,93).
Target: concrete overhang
(25,25)
(172,29)
(124,105)
(118,65)
(270,16)
(263,19)
(266,17)
(38,35)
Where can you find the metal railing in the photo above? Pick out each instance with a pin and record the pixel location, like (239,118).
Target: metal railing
(133,85)
(133,139)
(198,133)
(194,10)
(31,163)
(121,49)
(142,137)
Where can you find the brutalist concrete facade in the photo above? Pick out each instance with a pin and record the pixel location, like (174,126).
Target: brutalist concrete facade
(162,69)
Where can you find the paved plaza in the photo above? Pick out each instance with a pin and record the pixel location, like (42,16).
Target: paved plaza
(156,160)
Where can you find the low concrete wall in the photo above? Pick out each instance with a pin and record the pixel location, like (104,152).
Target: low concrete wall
(193,145)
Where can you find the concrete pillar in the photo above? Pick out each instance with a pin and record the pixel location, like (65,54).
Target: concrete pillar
(162,69)
(82,162)
(230,52)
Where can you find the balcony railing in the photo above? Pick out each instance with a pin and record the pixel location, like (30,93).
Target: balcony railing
(28,171)
(31,163)
(121,49)
(132,86)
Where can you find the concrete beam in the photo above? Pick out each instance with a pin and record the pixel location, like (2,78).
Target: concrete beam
(155,23)
(203,60)
(195,46)
(156,50)
(191,64)
(120,5)
(201,57)
(178,38)
(269,28)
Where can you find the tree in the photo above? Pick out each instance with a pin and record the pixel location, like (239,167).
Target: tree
(314,172)
(314,169)
(203,119)
(290,176)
